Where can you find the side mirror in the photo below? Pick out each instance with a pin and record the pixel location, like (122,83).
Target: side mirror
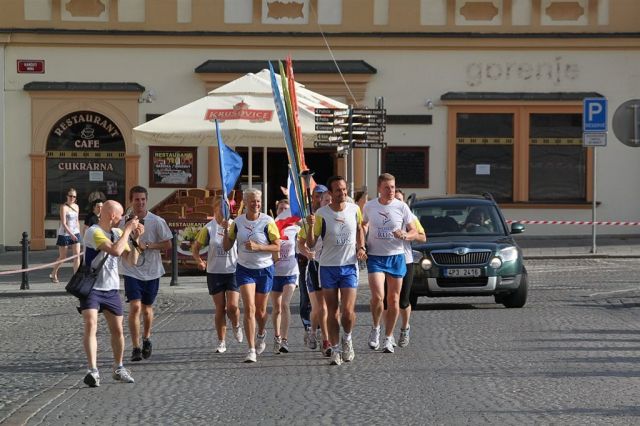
(517,228)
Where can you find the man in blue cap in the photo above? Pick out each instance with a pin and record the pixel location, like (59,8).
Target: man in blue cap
(303,261)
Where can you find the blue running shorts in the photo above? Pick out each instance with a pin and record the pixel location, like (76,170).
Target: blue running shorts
(393,265)
(280,281)
(145,291)
(101,300)
(333,277)
(221,282)
(262,278)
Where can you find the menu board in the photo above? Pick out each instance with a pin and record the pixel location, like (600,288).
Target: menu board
(172,167)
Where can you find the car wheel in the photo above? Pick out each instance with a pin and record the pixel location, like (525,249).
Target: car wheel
(413,300)
(518,298)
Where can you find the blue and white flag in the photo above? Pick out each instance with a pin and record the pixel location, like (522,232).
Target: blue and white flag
(230,169)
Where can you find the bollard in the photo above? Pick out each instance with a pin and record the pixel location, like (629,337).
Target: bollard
(174,259)
(25,261)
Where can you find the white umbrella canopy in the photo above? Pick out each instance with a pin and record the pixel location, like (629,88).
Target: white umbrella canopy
(245,110)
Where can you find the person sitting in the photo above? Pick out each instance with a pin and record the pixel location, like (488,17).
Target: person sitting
(476,221)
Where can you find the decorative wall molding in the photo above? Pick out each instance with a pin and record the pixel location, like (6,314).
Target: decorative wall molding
(479,12)
(84,10)
(555,12)
(285,12)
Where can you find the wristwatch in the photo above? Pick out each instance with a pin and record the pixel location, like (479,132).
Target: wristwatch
(146,246)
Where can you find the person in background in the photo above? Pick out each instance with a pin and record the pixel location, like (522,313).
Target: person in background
(105,239)
(361,199)
(405,291)
(94,215)
(221,275)
(258,239)
(318,304)
(285,279)
(142,280)
(68,234)
(303,260)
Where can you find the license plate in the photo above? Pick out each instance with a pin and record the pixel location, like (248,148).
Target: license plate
(462,272)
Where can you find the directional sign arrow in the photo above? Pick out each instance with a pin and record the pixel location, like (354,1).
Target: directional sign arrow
(330,111)
(330,128)
(368,111)
(369,144)
(368,119)
(327,144)
(369,128)
(329,119)
(328,137)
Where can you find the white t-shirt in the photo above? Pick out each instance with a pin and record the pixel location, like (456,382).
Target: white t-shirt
(408,251)
(218,260)
(155,230)
(287,263)
(95,236)
(338,231)
(383,220)
(263,230)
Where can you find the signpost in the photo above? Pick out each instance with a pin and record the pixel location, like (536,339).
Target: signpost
(594,134)
(346,129)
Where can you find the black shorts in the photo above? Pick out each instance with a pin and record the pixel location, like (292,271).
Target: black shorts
(313,281)
(405,291)
(221,282)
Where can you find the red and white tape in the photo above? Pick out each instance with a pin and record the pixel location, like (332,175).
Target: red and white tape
(575,222)
(35,268)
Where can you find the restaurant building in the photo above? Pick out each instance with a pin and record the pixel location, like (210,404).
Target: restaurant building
(480,95)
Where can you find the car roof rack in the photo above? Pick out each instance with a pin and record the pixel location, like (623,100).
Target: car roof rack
(488,196)
(411,198)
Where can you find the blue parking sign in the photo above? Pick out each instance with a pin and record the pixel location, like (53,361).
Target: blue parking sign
(594,115)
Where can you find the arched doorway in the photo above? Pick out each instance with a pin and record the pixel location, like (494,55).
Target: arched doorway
(86,151)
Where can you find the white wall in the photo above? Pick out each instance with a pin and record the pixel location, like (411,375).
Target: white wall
(3,176)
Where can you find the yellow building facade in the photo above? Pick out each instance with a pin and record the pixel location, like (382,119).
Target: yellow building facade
(481,95)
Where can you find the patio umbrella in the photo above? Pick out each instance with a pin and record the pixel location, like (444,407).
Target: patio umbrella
(246,113)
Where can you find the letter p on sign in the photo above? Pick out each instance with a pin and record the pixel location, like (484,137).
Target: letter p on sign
(594,115)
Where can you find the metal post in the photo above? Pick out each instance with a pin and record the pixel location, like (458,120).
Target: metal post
(25,261)
(380,105)
(350,164)
(174,259)
(593,206)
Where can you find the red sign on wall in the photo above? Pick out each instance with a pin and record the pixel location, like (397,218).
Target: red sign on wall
(30,66)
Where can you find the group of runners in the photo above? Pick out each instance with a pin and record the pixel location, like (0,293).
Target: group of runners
(254,257)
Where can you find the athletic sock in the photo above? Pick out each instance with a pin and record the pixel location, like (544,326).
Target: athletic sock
(347,337)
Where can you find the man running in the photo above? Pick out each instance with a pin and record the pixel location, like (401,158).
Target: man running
(142,280)
(340,226)
(389,223)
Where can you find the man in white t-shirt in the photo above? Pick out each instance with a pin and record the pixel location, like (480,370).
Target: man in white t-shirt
(340,226)
(142,280)
(389,223)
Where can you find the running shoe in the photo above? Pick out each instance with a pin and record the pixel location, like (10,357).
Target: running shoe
(121,374)
(403,341)
(251,356)
(387,345)
(348,354)
(305,338)
(336,358)
(237,333)
(92,379)
(277,342)
(221,348)
(261,345)
(147,347)
(136,354)
(284,346)
(313,341)
(374,338)
(326,348)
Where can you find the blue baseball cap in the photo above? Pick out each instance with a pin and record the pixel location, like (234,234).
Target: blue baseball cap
(320,189)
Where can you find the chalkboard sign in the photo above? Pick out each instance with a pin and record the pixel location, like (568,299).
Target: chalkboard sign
(410,166)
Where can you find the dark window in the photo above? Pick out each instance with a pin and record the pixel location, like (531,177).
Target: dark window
(409,165)
(484,154)
(85,151)
(557,160)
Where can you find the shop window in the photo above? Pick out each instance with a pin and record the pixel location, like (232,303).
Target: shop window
(557,160)
(520,153)
(484,154)
(85,151)
(409,165)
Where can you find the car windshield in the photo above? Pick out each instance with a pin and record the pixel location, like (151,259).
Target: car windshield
(459,219)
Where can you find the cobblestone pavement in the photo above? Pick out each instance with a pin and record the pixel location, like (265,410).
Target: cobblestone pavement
(571,356)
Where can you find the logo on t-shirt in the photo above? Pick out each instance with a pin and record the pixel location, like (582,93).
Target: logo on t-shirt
(385,217)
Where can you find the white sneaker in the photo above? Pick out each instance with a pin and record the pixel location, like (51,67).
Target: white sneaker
(276,344)
(251,356)
(387,345)
(403,341)
(261,345)
(336,357)
(348,354)
(312,339)
(374,338)
(92,379)
(237,333)
(123,375)
(221,348)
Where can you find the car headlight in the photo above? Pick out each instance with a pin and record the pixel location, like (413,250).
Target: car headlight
(425,264)
(508,254)
(495,263)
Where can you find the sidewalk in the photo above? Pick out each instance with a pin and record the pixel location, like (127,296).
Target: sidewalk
(534,247)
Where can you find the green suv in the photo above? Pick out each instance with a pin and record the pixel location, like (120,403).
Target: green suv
(469,251)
